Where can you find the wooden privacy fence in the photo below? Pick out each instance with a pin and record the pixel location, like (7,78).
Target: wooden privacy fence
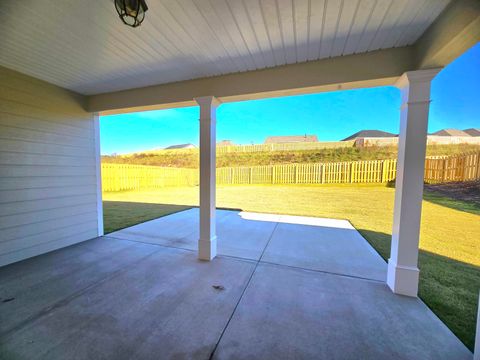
(119,177)
(463,167)
(375,171)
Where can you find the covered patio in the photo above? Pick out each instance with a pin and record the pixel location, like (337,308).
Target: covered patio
(283,290)
(281,287)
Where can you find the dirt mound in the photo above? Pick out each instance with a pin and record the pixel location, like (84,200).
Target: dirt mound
(466,191)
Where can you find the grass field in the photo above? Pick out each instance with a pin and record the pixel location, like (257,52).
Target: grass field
(450,246)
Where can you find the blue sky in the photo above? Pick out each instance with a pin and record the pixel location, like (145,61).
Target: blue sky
(330,116)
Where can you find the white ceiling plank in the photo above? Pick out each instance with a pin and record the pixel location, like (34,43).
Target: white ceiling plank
(301,13)
(83,46)
(209,39)
(344,27)
(285,8)
(242,20)
(401,24)
(389,22)
(199,46)
(416,9)
(359,25)
(226,17)
(221,34)
(317,11)
(17,36)
(270,16)
(332,17)
(375,22)
(257,22)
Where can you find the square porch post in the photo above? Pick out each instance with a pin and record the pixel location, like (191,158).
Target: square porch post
(403,273)
(207,243)
(476,355)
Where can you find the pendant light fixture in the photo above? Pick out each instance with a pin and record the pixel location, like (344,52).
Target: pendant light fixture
(132,12)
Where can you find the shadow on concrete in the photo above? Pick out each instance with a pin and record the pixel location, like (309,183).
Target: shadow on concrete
(449,287)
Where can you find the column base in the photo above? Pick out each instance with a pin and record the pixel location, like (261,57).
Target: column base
(207,249)
(403,280)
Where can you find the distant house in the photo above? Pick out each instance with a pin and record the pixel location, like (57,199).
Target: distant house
(450,132)
(472,131)
(291,139)
(181,146)
(225,143)
(370,134)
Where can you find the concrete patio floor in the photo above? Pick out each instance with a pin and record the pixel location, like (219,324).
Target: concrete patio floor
(293,287)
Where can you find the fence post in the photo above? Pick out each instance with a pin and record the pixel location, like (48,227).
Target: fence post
(478,165)
(323,174)
(250,176)
(295,168)
(444,168)
(382,179)
(273,174)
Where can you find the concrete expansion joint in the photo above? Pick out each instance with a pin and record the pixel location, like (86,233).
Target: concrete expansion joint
(322,272)
(243,292)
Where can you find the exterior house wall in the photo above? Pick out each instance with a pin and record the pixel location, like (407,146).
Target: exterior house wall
(49,173)
(448,140)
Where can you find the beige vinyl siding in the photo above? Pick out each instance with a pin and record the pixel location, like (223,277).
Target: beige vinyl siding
(48,168)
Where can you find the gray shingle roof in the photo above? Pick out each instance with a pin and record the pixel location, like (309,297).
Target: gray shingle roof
(473,131)
(369,133)
(450,132)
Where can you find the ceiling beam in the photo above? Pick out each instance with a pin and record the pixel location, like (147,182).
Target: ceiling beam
(376,68)
(455,30)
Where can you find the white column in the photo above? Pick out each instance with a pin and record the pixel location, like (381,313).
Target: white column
(98,174)
(476,355)
(403,270)
(207,244)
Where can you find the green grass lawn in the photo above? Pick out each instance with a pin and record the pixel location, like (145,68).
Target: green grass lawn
(450,243)
(118,215)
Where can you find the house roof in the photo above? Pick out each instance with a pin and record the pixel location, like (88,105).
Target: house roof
(225,143)
(369,133)
(473,131)
(290,139)
(180,146)
(450,132)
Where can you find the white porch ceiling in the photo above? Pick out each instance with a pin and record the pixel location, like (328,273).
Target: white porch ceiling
(83,45)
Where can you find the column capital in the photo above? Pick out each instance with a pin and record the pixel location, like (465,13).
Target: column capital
(207,101)
(415,85)
(416,76)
